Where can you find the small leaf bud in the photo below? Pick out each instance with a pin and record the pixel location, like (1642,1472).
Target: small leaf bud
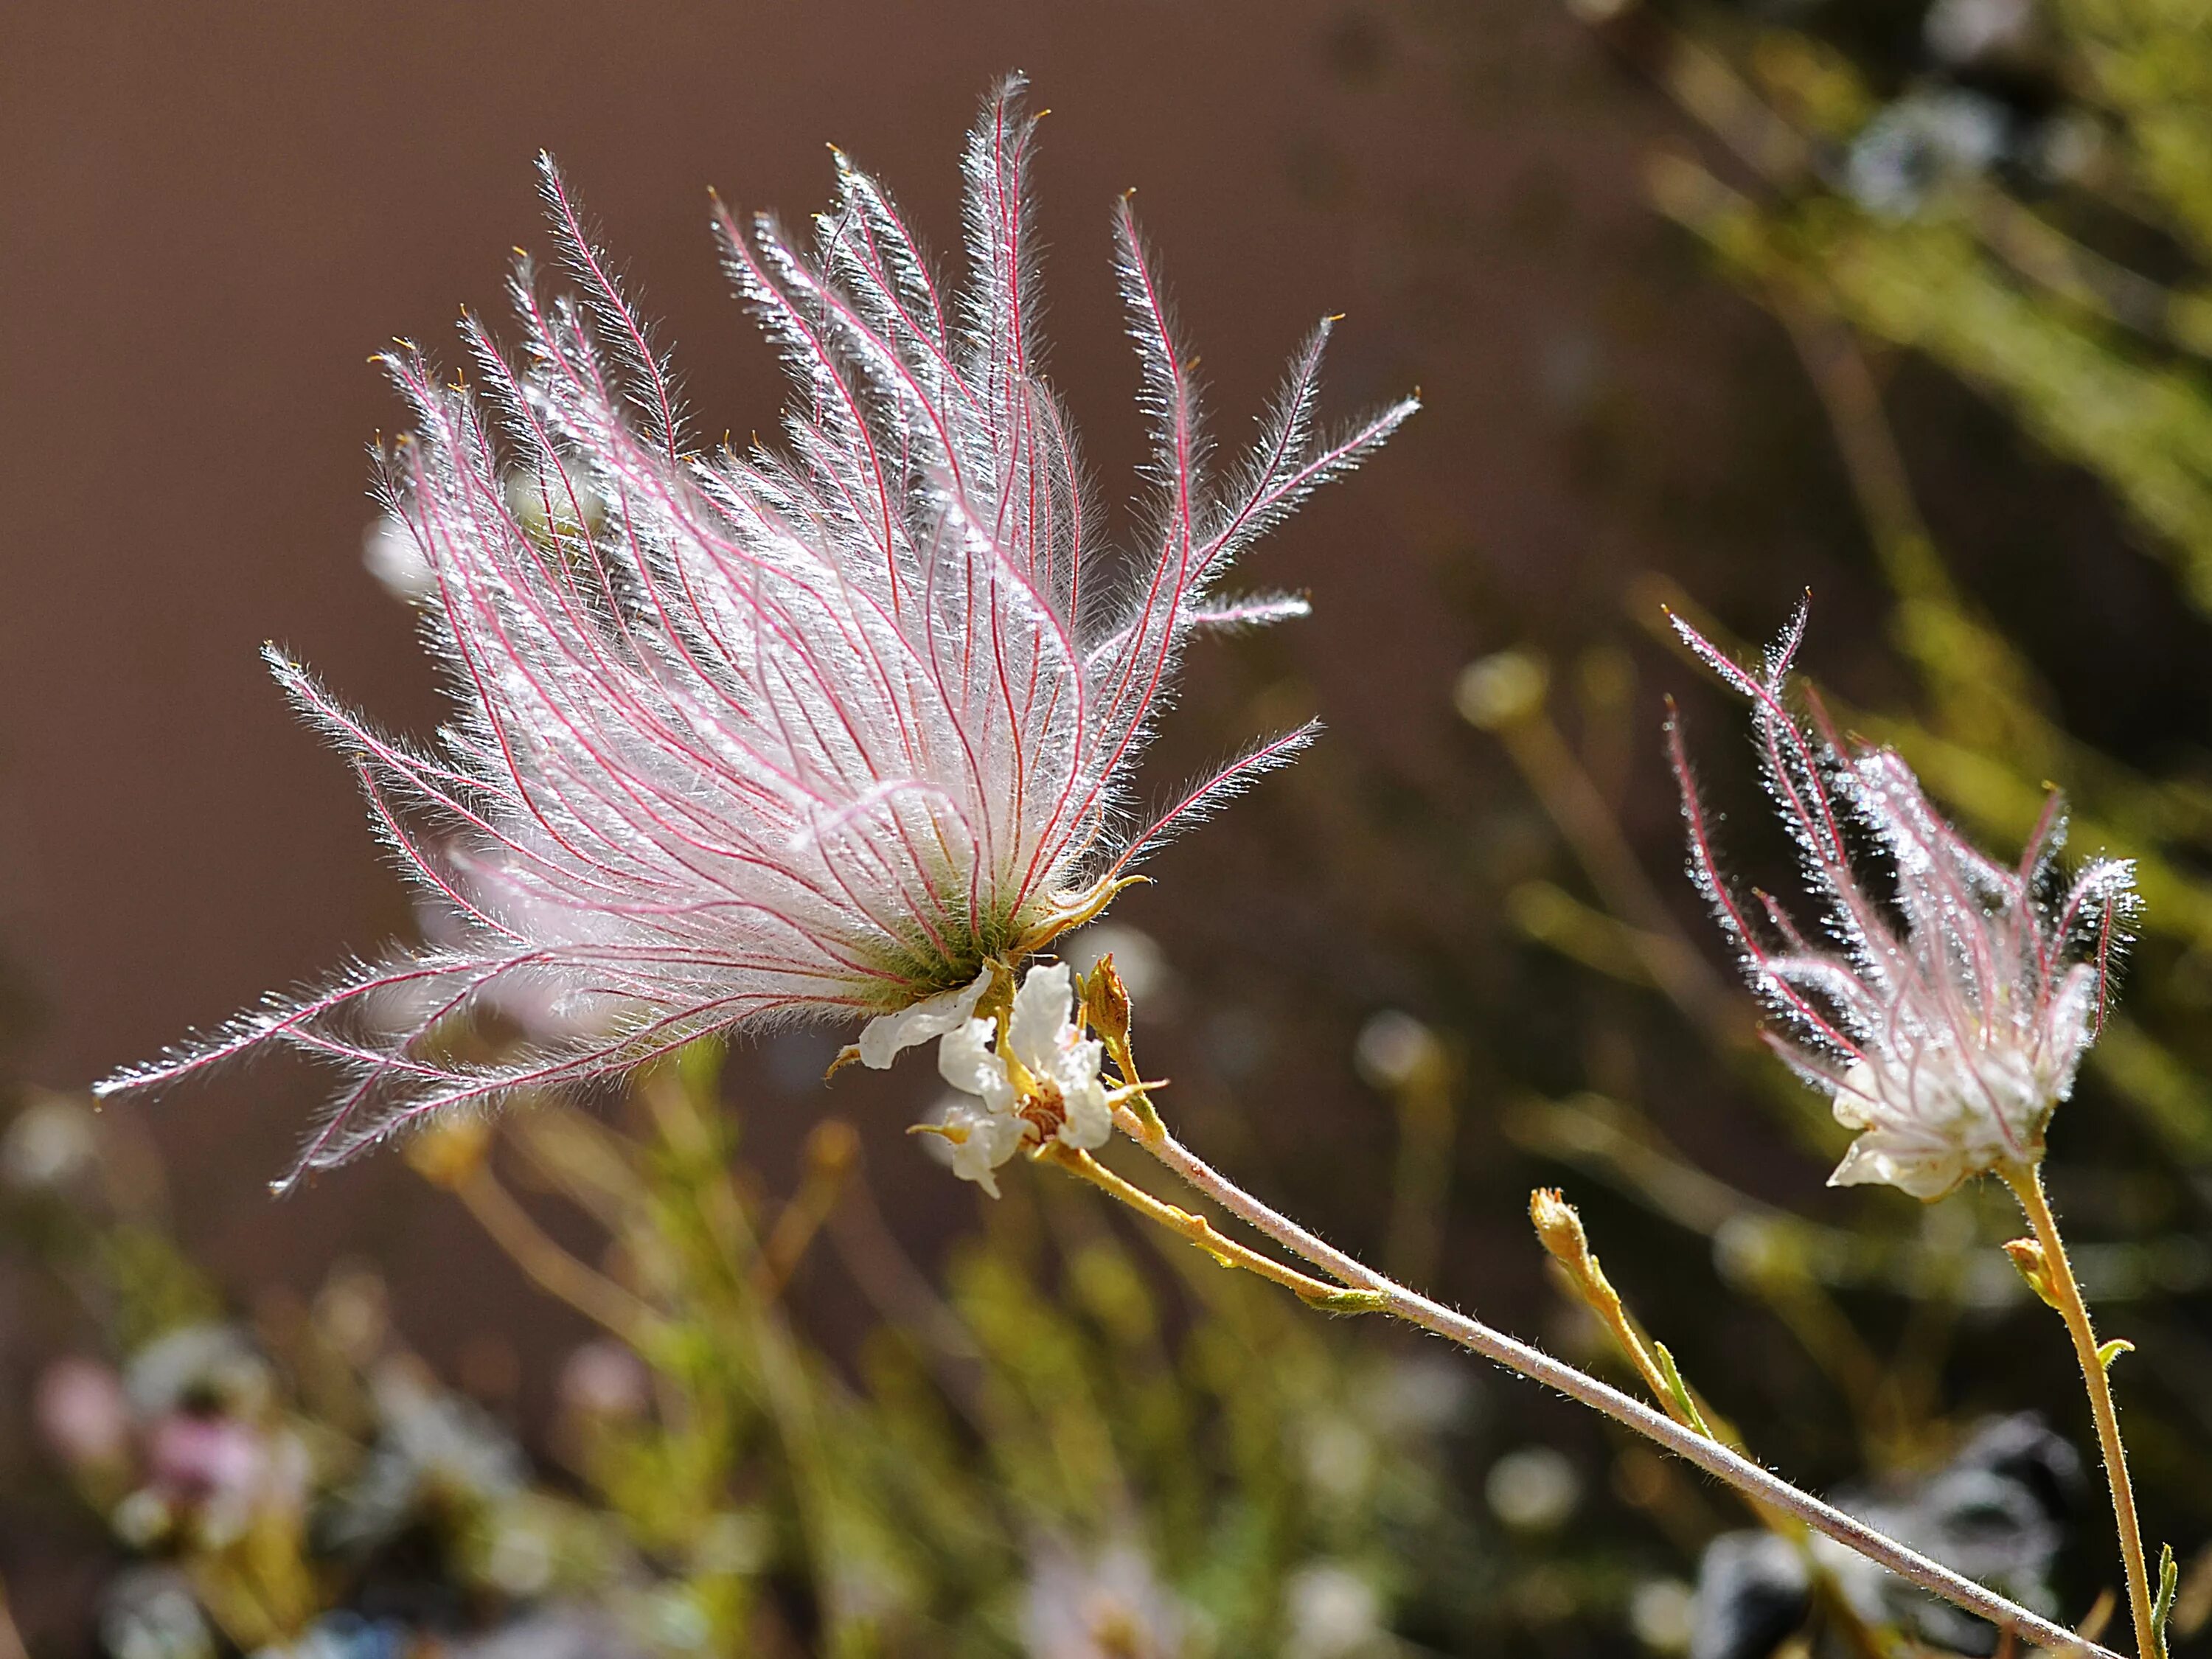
(2027,1256)
(1560,1227)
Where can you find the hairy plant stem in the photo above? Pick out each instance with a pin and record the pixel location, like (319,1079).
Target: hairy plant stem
(1386,1295)
(1195,1228)
(2065,1295)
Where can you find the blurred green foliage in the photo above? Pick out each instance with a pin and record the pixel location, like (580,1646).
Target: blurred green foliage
(1082,1445)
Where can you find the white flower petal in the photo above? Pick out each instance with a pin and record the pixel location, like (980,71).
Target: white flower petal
(1090,1121)
(1041,1008)
(1859,1101)
(979,1142)
(1880,1158)
(964,1059)
(884,1037)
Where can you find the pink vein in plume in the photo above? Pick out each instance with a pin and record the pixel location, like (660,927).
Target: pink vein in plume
(812,730)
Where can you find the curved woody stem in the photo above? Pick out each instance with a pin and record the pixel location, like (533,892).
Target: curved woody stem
(2061,1290)
(1369,1291)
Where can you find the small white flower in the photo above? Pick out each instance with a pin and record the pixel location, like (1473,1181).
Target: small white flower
(1333,1611)
(1040,1083)
(978,1141)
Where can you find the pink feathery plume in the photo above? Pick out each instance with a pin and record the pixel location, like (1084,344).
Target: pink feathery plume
(1946,1019)
(816,730)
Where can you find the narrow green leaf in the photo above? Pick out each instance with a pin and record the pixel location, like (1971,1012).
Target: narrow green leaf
(2169,1582)
(2107,1352)
(1679,1391)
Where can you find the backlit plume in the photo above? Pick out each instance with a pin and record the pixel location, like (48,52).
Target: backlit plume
(1947,1022)
(749,735)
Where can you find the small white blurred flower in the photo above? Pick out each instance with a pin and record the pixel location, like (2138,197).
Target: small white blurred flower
(1038,1081)
(50,1142)
(1533,1489)
(2068,146)
(1501,690)
(150,1613)
(524,1552)
(1112,1606)
(1340,1458)
(198,1367)
(1395,1051)
(1961,31)
(1920,145)
(1332,1612)
(1661,1613)
(1423,1394)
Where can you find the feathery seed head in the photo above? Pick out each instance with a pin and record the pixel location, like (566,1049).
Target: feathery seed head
(1947,1020)
(742,736)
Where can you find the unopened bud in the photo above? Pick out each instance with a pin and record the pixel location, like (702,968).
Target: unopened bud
(2034,1267)
(1106,1002)
(1560,1227)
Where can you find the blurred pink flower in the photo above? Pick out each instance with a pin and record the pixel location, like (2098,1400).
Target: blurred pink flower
(83,1415)
(199,1458)
(747,736)
(605,1379)
(1947,1022)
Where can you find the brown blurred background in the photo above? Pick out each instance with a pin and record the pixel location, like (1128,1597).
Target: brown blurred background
(216,212)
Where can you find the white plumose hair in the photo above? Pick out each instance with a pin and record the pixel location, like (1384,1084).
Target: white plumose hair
(819,729)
